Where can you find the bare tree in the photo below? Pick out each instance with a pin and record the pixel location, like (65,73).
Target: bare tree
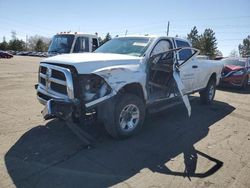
(234,53)
(33,40)
(13,35)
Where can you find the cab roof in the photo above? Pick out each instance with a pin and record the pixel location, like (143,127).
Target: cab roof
(77,34)
(151,36)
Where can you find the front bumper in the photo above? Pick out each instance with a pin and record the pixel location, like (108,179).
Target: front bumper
(232,81)
(44,96)
(58,109)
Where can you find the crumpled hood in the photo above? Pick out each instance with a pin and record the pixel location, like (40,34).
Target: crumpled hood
(92,62)
(228,68)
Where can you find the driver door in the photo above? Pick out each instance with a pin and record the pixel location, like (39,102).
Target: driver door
(189,70)
(160,82)
(164,74)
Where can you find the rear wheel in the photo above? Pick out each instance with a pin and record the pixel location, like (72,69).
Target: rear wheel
(128,117)
(207,96)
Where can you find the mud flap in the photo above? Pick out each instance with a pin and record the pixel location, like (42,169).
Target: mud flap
(177,78)
(58,109)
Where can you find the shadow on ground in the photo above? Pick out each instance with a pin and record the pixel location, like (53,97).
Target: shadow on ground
(51,156)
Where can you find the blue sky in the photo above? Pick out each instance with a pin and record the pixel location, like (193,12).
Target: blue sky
(230,19)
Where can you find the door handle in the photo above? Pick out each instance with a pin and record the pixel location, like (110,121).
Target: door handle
(194,66)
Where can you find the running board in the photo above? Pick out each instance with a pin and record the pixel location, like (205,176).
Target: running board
(155,108)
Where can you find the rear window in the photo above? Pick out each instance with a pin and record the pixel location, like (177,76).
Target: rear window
(81,45)
(185,53)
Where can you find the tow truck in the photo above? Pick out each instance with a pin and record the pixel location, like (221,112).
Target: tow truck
(73,42)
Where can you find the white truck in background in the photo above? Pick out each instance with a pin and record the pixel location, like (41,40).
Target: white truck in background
(72,42)
(123,79)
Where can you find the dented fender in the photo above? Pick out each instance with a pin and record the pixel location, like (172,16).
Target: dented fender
(119,76)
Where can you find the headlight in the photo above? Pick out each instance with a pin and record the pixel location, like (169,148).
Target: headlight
(238,73)
(93,87)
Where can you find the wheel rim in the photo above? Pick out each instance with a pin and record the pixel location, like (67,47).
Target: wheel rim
(211,92)
(129,117)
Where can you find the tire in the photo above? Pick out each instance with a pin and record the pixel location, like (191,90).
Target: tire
(207,96)
(245,83)
(127,118)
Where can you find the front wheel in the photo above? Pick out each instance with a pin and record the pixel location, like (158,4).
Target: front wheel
(128,117)
(207,96)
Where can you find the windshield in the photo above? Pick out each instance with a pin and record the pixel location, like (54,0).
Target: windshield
(235,62)
(134,46)
(61,44)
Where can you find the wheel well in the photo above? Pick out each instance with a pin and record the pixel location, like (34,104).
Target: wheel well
(213,77)
(134,88)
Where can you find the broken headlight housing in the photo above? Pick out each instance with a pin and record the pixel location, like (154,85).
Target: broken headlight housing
(93,87)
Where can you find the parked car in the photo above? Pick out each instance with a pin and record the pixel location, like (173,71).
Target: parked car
(123,79)
(23,53)
(236,72)
(12,52)
(4,54)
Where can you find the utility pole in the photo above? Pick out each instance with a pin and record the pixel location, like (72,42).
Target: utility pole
(168,28)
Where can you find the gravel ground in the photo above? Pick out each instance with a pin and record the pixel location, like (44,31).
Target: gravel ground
(210,149)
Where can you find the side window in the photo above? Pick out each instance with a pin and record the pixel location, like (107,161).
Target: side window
(94,44)
(81,45)
(161,46)
(185,53)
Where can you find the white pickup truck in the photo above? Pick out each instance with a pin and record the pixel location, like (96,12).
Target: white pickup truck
(123,79)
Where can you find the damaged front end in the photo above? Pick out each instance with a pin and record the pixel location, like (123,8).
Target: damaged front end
(66,94)
(93,89)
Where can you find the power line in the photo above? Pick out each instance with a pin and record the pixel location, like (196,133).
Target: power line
(141,25)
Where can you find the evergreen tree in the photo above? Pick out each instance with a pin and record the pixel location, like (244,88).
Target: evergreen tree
(41,46)
(4,45)
(208,43)
(16,44)
(244,49)
(194,38)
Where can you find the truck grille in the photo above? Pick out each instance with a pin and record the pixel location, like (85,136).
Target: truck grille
(54,82)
